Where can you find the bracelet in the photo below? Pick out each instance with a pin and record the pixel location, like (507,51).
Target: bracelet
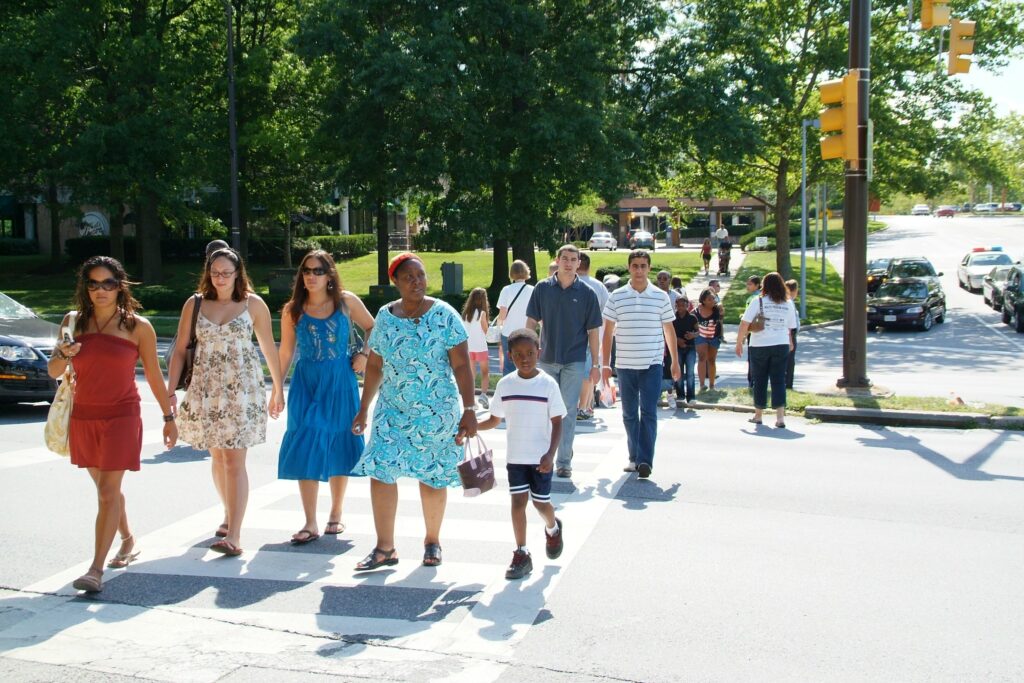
(58,354)
(169,417)
(465,408)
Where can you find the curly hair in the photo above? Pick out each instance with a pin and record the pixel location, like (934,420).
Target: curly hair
(300,293)
(126,303)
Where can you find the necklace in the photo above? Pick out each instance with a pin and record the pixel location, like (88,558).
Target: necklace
(99,330)
(416,314)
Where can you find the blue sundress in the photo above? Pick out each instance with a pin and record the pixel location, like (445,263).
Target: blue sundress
(418,409)
(322,400)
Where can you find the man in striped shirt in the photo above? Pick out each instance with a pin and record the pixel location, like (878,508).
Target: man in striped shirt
(639,317)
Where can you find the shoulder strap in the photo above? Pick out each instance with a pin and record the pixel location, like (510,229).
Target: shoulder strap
(517,296)
(196,301)
(760,304)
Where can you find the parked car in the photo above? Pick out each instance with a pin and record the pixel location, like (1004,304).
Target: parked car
(945,211)
(26,342)
(914,302)
(1013,298)
(992,286)
(987,207)
(642,240)
(603,240)
(1008,206)
(977,263)
(876,273)
(921,210)
(910,266)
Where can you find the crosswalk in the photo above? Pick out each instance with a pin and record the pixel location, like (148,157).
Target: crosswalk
(183,612)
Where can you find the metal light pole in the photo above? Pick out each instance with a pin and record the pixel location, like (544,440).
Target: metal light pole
(855,210)
(803,212)
(824,230)
(654,225)
(236,234)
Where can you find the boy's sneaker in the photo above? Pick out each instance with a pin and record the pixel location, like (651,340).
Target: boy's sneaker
(522,564)
(631,467)
(554,543)
(643,470)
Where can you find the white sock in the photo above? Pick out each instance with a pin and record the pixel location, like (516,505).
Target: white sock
(551,530)
(523,549)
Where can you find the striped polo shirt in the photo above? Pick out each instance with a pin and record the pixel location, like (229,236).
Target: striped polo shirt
(638,318)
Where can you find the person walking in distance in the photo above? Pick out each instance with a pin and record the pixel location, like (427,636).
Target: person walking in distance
(705,254)
(475,320)
(685,326)
(586,410)
(512,303)
(793,292)
(530,402)
(664,282)
(639,317)
(570,318)
(709,337)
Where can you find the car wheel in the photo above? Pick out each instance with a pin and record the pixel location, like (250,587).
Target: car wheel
(1006,316)
(941,317)
(1019,323)
(929,319)
(988,302)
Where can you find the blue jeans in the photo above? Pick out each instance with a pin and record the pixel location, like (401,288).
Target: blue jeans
(507,365)
(639,391)
(687,363)
(768,363)
(570,380)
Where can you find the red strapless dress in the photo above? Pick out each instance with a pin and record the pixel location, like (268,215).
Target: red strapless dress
(106,427)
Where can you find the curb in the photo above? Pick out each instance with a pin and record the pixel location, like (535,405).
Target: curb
(912,418)
(815,326)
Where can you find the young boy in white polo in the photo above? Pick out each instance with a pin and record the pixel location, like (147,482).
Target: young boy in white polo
(531,404)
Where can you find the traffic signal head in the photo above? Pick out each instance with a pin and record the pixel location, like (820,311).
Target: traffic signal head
(934,13)
(960,43)
(841,119)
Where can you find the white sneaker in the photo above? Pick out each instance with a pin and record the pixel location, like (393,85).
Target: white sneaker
(631,467)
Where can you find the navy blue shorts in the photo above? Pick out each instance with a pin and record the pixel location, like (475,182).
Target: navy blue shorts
(523,478)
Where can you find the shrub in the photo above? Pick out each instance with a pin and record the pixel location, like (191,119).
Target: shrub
(14,246)
(172,249)
(161,297)
(347,246)
(446,241)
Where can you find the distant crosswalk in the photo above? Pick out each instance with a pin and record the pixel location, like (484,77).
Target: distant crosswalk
(463,612)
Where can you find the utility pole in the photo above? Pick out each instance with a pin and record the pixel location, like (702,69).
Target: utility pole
(236,234)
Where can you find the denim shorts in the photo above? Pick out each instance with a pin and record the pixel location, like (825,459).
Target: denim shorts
(523,478)
(714,342)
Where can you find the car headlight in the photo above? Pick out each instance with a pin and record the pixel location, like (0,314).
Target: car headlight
(17,353)
(915,309)
(871,309)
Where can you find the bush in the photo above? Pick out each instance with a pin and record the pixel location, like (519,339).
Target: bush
(580,244)
(79,249)
(446,241)
(13,246)
(347,246)
(161,297)
(621,271)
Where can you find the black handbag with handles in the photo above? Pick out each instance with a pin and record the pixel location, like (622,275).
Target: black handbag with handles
(185,378)
(476,471)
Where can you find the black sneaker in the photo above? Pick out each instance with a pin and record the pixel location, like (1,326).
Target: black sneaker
(643,470)
(554,543)
(522,564)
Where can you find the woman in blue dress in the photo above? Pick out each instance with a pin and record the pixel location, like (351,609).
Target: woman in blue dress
(323,396)
(419,360)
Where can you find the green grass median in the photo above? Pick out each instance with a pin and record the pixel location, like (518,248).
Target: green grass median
(824,301)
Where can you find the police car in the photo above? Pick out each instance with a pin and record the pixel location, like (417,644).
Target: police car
(978,263)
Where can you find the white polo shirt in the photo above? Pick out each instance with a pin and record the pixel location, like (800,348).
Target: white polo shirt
(527,405)
(638,318)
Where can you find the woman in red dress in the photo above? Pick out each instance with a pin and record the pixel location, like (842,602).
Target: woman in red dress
(106,428)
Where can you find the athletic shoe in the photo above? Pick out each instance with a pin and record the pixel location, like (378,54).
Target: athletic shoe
(643,470)
(631,467)
(522,564)
(554,543)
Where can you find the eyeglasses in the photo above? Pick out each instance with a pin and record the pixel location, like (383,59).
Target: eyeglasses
(224,274)
(108,285)
(319,272)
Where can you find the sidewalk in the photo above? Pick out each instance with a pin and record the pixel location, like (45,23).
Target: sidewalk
(700,281)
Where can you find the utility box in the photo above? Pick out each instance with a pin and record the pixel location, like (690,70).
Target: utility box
(451,278)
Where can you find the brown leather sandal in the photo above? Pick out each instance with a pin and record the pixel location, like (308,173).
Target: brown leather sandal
(387,558)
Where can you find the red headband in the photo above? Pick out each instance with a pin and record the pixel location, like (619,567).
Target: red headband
(399,260)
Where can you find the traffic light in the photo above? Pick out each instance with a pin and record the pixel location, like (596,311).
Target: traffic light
(934,13)
(960,43)
(840,119)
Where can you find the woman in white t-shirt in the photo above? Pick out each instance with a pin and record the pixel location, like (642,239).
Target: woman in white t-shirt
(769,347)
(512,308)
(474,319)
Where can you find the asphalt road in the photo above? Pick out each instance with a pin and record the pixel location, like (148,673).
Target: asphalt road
(824,552)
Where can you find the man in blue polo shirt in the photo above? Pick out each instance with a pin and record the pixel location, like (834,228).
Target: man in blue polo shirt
(570,317)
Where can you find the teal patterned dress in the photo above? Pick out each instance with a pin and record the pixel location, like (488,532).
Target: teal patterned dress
(323,397)
(418,408)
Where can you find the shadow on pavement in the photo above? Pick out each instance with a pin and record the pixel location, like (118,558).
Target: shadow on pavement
(969,470)
(637,493)
(178,454)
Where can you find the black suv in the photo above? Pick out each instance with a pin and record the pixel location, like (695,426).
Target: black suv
(912,266)
(1013,298)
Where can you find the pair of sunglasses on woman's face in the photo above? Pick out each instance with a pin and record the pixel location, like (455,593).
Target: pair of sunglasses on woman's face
(108,285)
(319,272)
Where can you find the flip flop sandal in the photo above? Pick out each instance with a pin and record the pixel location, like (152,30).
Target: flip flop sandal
(122,560)
(303,540)
(431,555)
(754,421)
(89,583)
(387,559)
(780,425)
(334,528)
(221,531)
(226,548)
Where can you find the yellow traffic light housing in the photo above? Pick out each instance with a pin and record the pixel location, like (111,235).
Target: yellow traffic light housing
(961,43)
(841,119)
(934,13)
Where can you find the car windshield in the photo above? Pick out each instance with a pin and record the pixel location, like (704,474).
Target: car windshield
(12,310)
(903,290)
(999,274)
(878,264)
(913,269)
(991,260)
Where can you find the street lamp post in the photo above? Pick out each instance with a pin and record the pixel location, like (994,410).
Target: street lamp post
(654,224)
(807,123)
(236,234)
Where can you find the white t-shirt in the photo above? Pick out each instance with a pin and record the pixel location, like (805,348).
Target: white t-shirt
(638,318)
(721,233)
(477,337)
(779,319)
(527,406)
(599,289)
(516,317)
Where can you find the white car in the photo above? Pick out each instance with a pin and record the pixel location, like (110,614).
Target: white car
(973,268)
(603,240)
(921,210)
(989,207)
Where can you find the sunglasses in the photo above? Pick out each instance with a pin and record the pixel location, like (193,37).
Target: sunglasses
(108,285)
(318,271)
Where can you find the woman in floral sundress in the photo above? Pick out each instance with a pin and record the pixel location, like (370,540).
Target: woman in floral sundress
(225,408)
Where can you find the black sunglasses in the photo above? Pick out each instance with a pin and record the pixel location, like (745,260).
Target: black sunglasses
(108,285)
(319,272)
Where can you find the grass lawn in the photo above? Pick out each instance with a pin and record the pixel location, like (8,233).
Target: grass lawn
(796,401)
(824,301)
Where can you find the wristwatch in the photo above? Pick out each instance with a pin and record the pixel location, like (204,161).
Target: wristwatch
(169,418)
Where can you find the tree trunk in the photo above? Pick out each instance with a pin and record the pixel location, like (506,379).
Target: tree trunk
(781,211)
(382,241)
(522,249)
(148,238)
(53,206)
(499,270)
(288,244)
(117,230)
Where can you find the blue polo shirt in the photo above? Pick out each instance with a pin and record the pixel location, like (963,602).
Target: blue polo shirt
(566,316)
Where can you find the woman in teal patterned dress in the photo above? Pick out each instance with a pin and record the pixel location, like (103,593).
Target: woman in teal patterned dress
(324,395)
(419,360)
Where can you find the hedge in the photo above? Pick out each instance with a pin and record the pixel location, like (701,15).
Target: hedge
(346,246)
(446,241)
(14,246)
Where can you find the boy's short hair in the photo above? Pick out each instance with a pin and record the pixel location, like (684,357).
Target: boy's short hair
(523,334)
(712,283)
(754,280)
(792,285)
(639,253)
(584,261)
